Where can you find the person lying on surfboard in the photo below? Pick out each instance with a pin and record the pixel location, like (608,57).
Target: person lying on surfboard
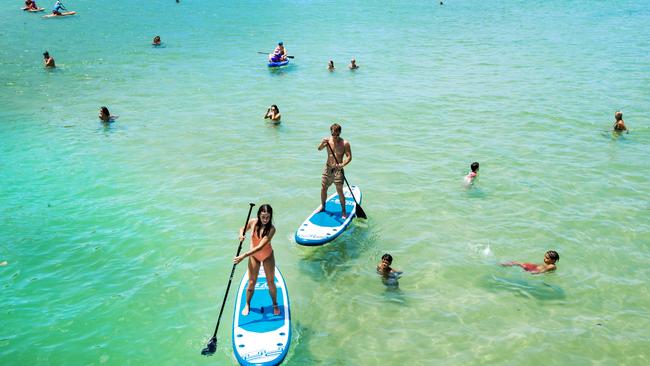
(550,258)
(261,253)
(58,6)
(30,5)
(333,171)
(279,54)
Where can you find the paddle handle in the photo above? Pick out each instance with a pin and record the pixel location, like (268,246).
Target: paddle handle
(232,273)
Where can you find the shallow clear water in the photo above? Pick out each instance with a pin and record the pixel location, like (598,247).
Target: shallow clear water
(119,240)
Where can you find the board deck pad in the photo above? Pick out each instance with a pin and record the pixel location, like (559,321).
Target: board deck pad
(324,226)
(261,338)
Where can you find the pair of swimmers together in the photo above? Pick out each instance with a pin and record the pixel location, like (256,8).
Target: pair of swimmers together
(352,66)
(550,258)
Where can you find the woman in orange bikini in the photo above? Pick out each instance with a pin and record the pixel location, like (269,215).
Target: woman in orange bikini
(261,252)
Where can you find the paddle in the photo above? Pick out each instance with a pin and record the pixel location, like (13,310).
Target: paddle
(212,345)
(360,212)
(266,53)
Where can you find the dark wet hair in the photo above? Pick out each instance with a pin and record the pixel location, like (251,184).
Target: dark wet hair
(46,54)
(261,227)
(276,107)
(105,111)
(387,257)
(336,127)
(552,254)
(474,166)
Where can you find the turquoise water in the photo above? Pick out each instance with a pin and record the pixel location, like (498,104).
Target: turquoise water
(119,240)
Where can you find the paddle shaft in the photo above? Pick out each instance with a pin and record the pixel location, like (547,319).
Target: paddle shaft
(232,273)
(360,211)
(266,53)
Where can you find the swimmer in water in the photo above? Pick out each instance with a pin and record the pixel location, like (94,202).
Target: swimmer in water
(384,268)
(48,60)
(619,124)
(469,178)
(549,263)
(105,115)
(273,113)
(156,41)
(353,65)
(330,65)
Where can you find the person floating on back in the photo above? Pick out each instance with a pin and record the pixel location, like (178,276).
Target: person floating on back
(619,124)
(48,60)
(549,263)
(273,113)
(279,54)
(333,171)
(261,253)
(469,178)
(156,41)
(58,6)
(353,65)
(330,65)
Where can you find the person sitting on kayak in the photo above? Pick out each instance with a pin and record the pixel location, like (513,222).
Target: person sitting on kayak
(58,6)
(279,54)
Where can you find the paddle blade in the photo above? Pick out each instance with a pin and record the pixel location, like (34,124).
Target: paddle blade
(360,213)
(211,348)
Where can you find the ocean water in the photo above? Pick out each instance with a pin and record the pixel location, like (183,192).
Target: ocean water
(119,240)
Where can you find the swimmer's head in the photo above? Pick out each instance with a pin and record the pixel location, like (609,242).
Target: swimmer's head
(474,166)
(551,257)
(280,43)
(618,115)
(387,258)
(46,54)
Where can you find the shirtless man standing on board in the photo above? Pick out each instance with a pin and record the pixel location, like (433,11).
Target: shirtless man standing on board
(333,171)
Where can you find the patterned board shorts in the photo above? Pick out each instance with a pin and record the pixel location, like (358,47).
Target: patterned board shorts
(332,175)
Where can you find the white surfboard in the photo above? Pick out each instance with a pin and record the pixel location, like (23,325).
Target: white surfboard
(261,338)
(324,226)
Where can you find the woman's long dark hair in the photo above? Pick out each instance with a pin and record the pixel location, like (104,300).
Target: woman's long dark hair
(261,227)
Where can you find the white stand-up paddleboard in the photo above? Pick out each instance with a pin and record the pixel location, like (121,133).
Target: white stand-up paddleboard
(324,226)
(261,338)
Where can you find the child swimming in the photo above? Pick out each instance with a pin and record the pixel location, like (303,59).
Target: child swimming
(384,268)
(550,258)
(469,178)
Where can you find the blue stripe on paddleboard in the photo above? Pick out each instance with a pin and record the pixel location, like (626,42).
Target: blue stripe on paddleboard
(256,319)
(331,218)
